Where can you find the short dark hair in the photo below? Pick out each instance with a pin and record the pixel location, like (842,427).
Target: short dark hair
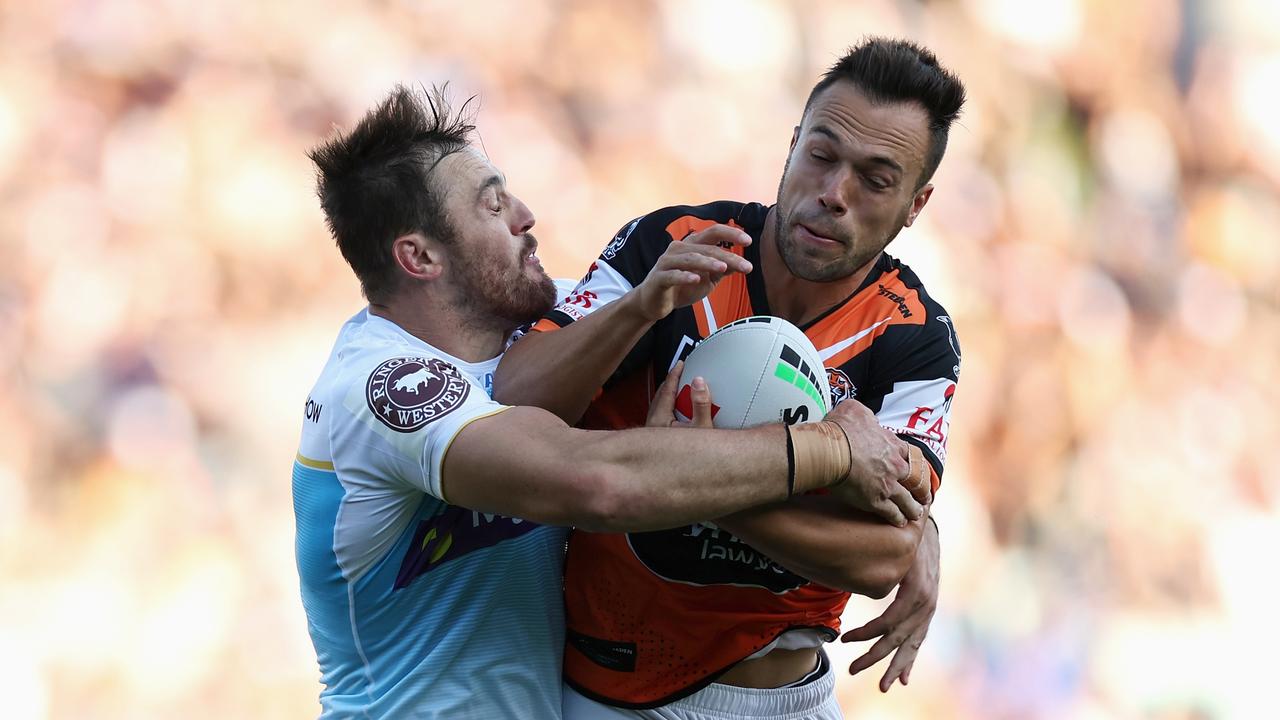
(375,185)
(890,70)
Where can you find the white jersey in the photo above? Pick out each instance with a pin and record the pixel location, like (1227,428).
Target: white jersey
(417,608)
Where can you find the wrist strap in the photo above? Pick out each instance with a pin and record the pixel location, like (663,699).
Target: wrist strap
(791,463)
(821,456)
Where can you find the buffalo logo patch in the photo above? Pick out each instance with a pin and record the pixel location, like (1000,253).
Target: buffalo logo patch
(409,392)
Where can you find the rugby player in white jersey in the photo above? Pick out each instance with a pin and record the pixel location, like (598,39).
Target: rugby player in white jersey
(430,519)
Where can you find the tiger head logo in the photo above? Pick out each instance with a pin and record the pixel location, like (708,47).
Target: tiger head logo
(842,388)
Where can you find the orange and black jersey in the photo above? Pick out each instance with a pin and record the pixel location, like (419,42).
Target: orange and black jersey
(655,616)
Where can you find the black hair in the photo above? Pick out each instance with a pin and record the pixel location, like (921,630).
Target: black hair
(375,184)
(890,70)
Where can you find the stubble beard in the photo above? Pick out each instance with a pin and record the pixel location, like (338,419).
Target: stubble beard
(495,294)
(814,269)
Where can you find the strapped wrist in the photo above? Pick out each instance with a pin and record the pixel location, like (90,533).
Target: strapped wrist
(818,455)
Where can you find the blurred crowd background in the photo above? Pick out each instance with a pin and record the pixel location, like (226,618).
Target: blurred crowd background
(1104,232)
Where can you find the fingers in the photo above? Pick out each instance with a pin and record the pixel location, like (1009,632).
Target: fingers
(878,652)
(704,262)
(717,234)
(671,278)
(919,480)
(701,404)
(890,512)
(903,660)
(889,619)
(692,256)
(662,409)
(906,504)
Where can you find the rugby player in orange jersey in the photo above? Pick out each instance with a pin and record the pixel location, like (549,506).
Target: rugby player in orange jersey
(729,618)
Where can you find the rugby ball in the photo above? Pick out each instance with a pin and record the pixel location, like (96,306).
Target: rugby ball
(760,369)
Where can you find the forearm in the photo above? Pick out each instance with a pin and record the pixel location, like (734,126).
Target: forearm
(561,371)
(828,543)
(697,473)
(526,463)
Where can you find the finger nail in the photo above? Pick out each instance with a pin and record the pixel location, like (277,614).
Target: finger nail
(699,383)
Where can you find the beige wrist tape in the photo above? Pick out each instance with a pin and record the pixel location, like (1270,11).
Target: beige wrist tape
(820,455)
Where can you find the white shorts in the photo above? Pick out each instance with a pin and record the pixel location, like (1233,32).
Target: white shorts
(815,700)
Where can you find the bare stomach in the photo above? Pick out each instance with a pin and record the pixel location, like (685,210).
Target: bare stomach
(773,670)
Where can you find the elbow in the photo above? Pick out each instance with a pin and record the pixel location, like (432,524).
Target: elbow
(873,581)
(878,578)
(877,585)
(602,504)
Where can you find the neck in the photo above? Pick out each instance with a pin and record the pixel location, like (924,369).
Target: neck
(446,326)
(795,299)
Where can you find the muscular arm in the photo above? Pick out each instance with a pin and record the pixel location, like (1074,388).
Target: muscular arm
(829,543)
(561,371)
(527,463)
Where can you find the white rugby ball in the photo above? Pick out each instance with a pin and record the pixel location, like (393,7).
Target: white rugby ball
(760,369)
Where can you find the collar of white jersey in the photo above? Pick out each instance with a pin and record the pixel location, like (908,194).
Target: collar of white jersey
(381,325)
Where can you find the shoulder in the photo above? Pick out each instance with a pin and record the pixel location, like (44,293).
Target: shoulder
(658,228)
(928,335)
(402,385)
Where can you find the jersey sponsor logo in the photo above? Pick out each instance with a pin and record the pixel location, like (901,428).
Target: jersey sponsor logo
(406,393)
(899,299)
(702,554)
(452,534)
(921,409)
(610,654)
(312,410)
(584,298)
(615,245)
(842,388)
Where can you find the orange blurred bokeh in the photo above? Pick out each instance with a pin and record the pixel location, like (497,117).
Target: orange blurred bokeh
(1105,233)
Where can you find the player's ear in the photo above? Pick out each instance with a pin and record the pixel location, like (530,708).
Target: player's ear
(917,203)
(418,256)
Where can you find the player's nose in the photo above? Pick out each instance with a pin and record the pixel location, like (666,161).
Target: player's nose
(522,219)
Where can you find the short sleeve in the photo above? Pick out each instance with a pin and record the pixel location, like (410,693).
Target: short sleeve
(917,385)
(397,420)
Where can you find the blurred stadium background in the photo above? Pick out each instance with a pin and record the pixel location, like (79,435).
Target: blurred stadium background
(1104,232)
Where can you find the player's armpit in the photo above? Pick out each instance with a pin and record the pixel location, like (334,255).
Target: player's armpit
(830,544)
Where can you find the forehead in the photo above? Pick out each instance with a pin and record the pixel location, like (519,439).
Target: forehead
(463,172)
(899,130)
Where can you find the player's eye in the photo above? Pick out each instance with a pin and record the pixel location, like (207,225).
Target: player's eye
(820,157)
(876,182)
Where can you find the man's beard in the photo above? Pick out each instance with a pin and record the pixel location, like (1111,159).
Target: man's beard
(493,292)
